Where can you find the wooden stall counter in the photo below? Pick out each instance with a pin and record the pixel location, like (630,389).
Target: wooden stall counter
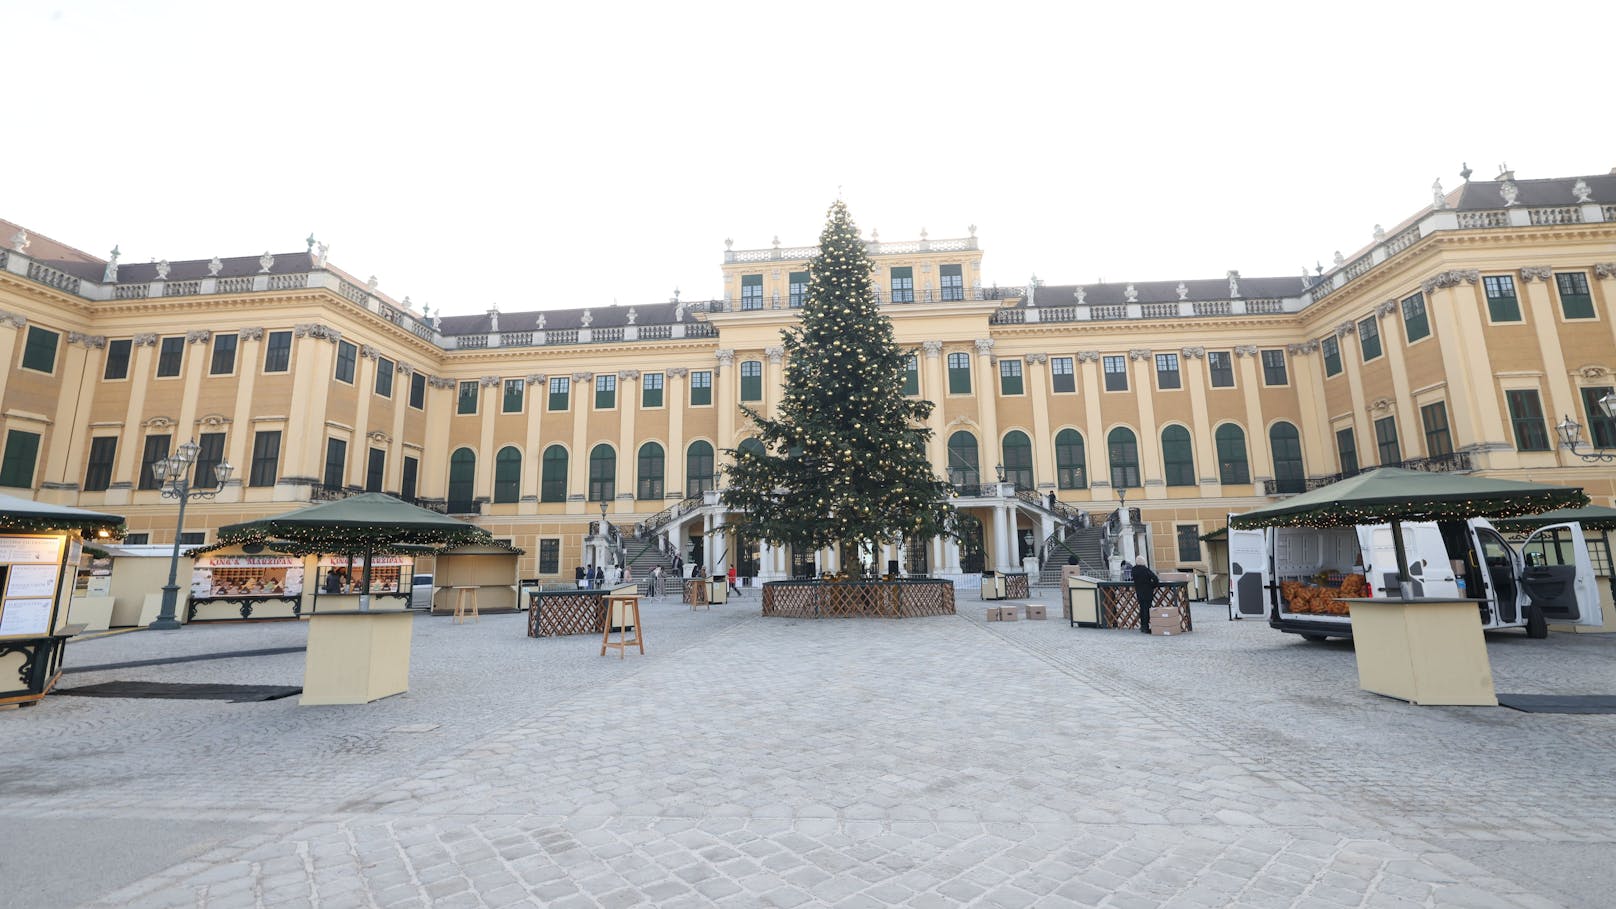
(357,657)
(1427,650)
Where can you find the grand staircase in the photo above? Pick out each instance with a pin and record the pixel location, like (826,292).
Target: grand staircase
(644,555)
(1087,543)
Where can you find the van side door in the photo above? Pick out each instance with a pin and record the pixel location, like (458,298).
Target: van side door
(1558,575)
(1248,572)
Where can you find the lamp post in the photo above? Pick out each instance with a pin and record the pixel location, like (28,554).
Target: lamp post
(173,475)
(999,469)
(1571,432)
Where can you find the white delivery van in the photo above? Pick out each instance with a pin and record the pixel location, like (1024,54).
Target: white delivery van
(1294,575)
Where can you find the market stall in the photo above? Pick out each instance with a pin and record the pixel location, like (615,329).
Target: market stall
(338,581)
(488,567)
(40,546)
(230,584)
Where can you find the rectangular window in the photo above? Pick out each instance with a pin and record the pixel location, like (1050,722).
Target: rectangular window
(1062,378)
(799,289)
(751,380)
(1438,441)
(266,458)
(466,399)
(39,351)
(911,375)
(1189,543)
(1346,449)
(1116,373)
(1332,355)
(336,462)
(384,377)
(651,389)
(136,539)
(751,292)
(17,467)
(375,467)
(1575,300)
(1601,429)
(406,480)
(1368,339)
(117,360)
(953,281)
(170,357)
(1010,377)
(515,390)
(1526,414)
(560,394)
(1386,446)
(155,450)
(193,537)
(278,352)
(347,357)
(1220,368)
(701,388)
(959,373)
(605,391)
(903,284)
(1273,368)
(418,391)
(223,362)
(1416,323)
(103,452)
(1502,304)
(1167,375)
(550,556)
(209,452)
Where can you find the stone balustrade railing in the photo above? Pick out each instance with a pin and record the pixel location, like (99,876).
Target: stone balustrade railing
(1182,309)
(777,253)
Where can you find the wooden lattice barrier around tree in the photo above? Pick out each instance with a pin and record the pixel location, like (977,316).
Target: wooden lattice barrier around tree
(1015,587)
(1119,605)
(839,599)
(566,612)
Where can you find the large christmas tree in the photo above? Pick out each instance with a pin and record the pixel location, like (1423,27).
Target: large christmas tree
(845,459)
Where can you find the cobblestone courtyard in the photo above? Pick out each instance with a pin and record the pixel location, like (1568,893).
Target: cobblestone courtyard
(750,762)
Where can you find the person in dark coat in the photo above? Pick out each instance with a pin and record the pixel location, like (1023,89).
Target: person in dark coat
(1144,588)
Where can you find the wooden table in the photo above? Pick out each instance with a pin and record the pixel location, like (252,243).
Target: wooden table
(622,614)
(464,595)
(357,657)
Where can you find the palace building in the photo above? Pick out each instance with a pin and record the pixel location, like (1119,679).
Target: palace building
(1458,339)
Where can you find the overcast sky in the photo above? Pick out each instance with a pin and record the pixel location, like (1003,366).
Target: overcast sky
(546,155)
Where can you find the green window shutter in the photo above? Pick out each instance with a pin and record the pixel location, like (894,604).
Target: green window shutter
(17,466)
(39,352)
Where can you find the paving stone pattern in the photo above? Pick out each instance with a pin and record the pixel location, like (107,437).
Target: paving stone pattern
(774,762)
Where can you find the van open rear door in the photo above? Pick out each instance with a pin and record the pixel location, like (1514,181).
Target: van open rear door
(1559,576)
(1248,573)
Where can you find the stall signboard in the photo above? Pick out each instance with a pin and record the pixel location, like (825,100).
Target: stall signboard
(247,576)
(30,575)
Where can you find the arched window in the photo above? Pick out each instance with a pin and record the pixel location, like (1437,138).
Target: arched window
(1069,460)
(553,475)
(751,447)
(1178,456)
(1123,449)
(508,474)
(1018,459)
(699,468)
(963,467)
(1286,445)
(462,480)
(602,473)
(1232,467)
(650,472)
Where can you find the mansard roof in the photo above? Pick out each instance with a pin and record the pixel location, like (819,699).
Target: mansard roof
(1487,195)
(1115,293)
(614,316)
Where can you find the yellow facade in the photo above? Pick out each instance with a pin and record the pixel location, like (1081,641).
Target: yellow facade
(1220,382)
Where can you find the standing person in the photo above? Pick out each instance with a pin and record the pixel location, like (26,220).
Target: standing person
(678,566)
(1144,589)
(732,581)
(333,580)
(628,573)
(656,580)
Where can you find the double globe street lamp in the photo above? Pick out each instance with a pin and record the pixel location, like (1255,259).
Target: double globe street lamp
(173,475)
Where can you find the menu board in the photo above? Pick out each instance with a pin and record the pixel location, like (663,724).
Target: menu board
(30,568)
